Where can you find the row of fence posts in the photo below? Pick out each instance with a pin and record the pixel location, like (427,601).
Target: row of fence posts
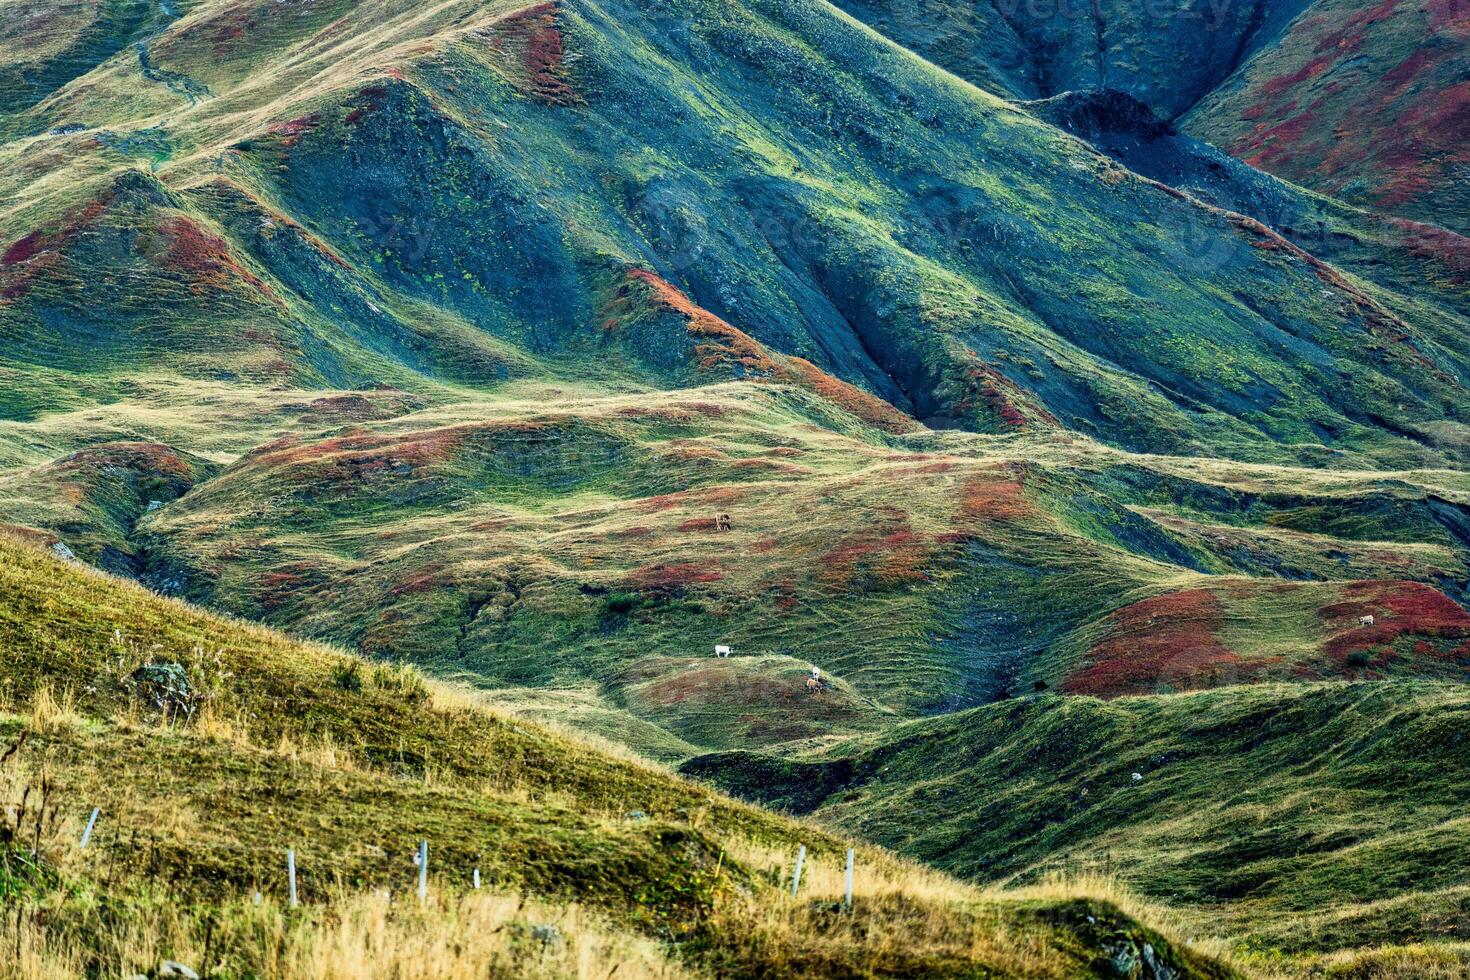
(422,860)
(846,877)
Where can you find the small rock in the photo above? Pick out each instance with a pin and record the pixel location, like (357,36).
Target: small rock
(62,551)
(173,968)
(164,685)
(1125,960)
(547,935)
(1138,777)
(1160,969)
(636,815)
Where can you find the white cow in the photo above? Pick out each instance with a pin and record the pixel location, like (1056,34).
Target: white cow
(721,650)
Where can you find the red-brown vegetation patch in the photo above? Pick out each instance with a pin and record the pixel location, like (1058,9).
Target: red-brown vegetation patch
(1398,609)
(535,33)
(205,258)
(24,248)
(1169,640)
(875,559)
(274,590)
(870,408)
(425,580)
(1449,17)
(674,577)
(291,130)
(359,454)
(1000,397)
(154,459)
(721,346)
(369,101)
(230,29)
(38,251)
(998,496)
(707,497)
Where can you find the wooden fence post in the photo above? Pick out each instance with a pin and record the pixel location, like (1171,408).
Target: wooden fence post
(796,876)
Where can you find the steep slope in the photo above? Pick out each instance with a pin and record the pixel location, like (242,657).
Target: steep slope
(1292,819)
(272,744)
(905,260)
(1168,56)
(1367,102)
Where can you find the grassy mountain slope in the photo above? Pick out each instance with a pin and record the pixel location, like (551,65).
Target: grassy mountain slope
(515,545)
(1366,102)
(1292,819)
(311,226)
(455,333)
(447,333)
(273,744)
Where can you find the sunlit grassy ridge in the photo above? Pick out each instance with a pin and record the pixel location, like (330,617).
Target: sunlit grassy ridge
(278,745)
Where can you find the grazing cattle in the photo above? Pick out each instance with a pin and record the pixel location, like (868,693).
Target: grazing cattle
(722,522)
(813,685)
(721,650)
(1365,620)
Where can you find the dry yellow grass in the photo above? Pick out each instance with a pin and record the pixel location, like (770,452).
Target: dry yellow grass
(360,936)
(1427,961)
(53,710)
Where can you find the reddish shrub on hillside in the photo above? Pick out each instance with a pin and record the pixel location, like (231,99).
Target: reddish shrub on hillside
(44,249)
(424,581)
(536,30)
(674,577)
(870,408)
(1398,609)
(995,498)
(275,589)
(24,248)
(1169,640)
(722,346)
(1001,396)
(877,559)
(205,258)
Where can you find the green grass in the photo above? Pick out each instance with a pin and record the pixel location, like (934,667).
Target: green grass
(1283,819)
(284,745)
(443,334)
